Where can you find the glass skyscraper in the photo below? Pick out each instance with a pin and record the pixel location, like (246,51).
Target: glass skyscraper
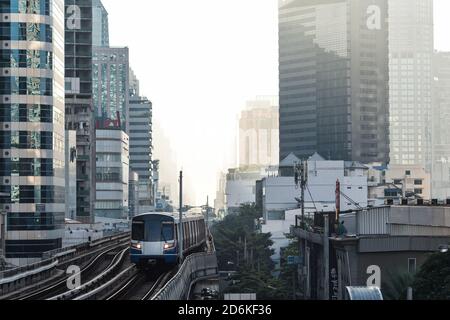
(32,156)
(100,25)
(441,127)
(333,72)
(111,87)
(411,53)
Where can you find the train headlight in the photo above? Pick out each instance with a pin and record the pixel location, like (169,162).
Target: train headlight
(136,246)
(168,246)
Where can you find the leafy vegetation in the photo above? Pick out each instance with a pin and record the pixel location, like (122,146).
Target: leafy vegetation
(432,282)
(246,252)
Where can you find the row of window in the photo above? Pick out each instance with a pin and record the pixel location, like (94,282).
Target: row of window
(26,86)
(25,31)
(33,194)
(26,113)
(41,7)
(37,59)
(109,157)
(109,174)
(26,221)
(26,140)
(26,167)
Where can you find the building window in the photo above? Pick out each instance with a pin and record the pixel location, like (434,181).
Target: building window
(412,265)
(408,172)
(418,191)
(418,182)
(397,181)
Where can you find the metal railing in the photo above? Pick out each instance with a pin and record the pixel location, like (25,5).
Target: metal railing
(196,266)
(51,256)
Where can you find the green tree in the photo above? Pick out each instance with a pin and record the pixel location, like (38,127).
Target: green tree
(240,248)
(432,282)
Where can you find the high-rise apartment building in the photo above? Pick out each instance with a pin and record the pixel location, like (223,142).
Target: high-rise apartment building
(79,106)
(411,54)
(111,87)
(333,72)
(100,25)
(441,126)
(258,133)
(32,133)
(141,144)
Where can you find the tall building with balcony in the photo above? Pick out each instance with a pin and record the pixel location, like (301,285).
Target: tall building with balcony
(79,104)
(32,133)
(333,72)
(100,25)
(411,76)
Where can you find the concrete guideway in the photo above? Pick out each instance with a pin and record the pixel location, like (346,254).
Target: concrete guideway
(22,282)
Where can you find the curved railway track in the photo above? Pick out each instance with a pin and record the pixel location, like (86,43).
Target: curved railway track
(61,284)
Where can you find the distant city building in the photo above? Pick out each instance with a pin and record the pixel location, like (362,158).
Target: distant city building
(441,126)
(397,182)
(112,174)
(100,25)
(141,145)
(70,169)
(79,104)
(111,87)
(134,84)
(258,133)
(334,76)
(32,134)
(219,202)
(240,187)
(411,34)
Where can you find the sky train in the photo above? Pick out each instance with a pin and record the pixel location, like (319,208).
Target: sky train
(155,237)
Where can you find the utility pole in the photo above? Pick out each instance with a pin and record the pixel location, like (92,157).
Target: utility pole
(180,225)
(338,205)
(301,180)
(326,257)
(207,216)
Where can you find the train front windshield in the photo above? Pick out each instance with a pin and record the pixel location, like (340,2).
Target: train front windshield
(152,228)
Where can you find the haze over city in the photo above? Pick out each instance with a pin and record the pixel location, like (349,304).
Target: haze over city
(200,61)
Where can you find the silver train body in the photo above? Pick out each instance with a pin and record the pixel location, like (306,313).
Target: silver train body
(155,237)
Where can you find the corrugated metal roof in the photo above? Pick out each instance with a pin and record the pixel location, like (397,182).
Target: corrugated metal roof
(364,293)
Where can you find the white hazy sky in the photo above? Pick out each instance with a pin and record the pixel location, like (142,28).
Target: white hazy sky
(199,61)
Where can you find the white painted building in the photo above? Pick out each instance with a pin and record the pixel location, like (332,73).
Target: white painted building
(112,174)
(279,229)
(398,181)
(279,194)
(241,187)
